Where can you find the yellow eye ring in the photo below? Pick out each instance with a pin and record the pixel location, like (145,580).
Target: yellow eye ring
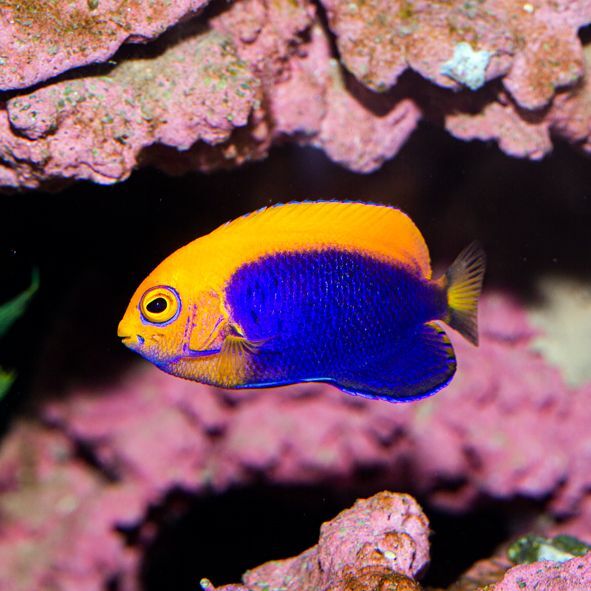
(160,305)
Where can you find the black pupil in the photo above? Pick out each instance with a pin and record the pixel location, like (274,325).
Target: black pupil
(156,306)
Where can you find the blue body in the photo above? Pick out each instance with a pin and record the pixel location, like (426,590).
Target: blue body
(345,318)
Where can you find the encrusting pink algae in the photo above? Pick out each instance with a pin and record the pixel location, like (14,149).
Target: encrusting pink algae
(512,72)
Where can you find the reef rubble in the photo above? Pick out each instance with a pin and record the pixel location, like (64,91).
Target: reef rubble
(96,91)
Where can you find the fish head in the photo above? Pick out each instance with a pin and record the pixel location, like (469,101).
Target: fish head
(173,315)
(154,323)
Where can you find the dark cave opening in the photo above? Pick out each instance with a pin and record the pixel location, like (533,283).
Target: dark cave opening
(220,537)
(459,540)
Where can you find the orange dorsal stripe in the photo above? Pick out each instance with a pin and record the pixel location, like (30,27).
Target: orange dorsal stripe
(380,231)
(374,229)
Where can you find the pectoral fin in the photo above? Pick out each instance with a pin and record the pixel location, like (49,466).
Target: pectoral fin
(235,355)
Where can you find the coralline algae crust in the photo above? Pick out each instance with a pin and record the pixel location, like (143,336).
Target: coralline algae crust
(42,38)
(355,106)
(572,575)
(197,90)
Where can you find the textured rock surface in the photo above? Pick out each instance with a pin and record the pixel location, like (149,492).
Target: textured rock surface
(460,43)
(57,518)
(524,133)
(380,540)
(497,574)
(573,575)
(39,40)
(96,128)
(180,104)
(507,426)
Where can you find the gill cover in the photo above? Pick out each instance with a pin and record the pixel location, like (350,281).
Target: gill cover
(209,322)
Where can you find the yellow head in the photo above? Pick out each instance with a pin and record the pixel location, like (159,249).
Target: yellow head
(175,316)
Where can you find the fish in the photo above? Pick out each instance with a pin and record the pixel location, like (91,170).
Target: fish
(339,292)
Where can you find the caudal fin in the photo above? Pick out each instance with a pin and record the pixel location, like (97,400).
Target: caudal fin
(464,283)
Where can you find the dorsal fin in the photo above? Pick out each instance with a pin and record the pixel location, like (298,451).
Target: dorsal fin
(379,229)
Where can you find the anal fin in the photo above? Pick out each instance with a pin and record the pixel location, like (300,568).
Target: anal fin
(419,365)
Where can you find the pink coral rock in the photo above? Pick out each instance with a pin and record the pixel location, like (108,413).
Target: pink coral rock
(96,128)
(380,539)
(377,125)
(498,574)
(39,40)
(56,517)
(529,134)
(517,135)
(219,90)
(463,43)
(99,127)
(572,575)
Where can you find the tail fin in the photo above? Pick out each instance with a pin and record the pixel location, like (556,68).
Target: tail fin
(464,283)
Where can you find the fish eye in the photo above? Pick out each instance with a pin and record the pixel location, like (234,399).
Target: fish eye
(157,306)
(160,305)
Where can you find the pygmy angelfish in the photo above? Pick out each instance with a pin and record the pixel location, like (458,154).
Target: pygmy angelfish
(308,292)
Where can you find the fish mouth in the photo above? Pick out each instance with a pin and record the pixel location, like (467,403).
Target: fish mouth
(130,341)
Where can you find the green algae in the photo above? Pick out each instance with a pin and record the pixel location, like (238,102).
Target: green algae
(15,308)
(532,548)
(6,381)
(9,313)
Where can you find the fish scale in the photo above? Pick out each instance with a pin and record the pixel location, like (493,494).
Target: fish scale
(330,312)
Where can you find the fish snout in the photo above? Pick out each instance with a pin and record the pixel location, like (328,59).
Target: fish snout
(127,336)
(132,341)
